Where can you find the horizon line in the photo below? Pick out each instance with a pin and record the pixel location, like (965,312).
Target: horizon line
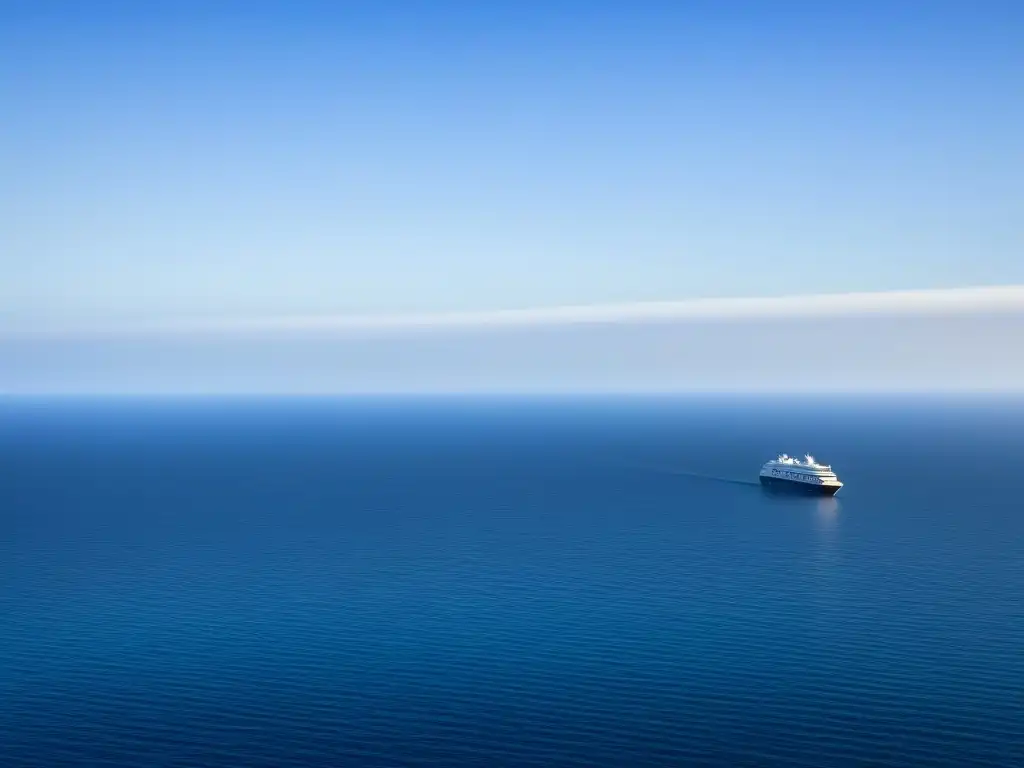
(942,301)
(1016,392)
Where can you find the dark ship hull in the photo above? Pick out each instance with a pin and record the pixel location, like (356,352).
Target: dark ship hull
(781,485)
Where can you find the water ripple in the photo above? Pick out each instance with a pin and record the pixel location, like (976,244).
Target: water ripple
(485,604)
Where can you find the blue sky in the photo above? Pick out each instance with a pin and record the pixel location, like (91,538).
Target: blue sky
(262,159)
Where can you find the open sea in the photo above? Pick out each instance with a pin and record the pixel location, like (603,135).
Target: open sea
(509,582)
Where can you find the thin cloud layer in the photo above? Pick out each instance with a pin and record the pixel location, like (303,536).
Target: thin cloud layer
(953,341)
(960,300)
(955,301)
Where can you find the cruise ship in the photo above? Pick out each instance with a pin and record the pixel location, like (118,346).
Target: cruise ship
(807,476)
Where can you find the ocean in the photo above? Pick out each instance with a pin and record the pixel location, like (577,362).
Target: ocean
(507,581)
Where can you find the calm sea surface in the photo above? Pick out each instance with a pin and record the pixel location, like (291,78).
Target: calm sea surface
(509,582)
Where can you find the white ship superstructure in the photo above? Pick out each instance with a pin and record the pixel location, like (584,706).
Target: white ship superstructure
(808,475)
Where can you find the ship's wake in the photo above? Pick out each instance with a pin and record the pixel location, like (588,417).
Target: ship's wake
(680,472)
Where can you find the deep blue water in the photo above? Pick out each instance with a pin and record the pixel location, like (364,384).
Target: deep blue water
(509,582)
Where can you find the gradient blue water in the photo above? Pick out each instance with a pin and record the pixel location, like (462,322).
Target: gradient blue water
(504,582)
